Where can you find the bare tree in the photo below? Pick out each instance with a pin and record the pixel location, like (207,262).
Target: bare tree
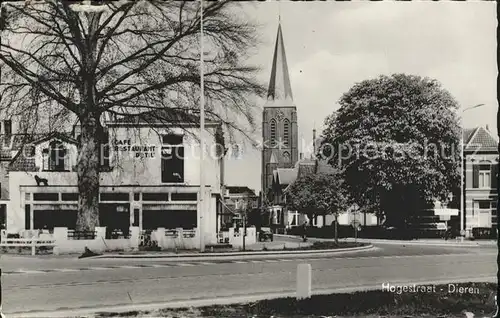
(133,57)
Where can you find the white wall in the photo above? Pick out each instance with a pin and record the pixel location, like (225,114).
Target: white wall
(15,212)
(129,171)
(147,171)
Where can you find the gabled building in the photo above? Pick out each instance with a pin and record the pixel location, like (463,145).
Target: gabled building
(481,169)
(239,202)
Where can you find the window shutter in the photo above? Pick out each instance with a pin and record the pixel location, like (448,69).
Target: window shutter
(494,177)
(475,176)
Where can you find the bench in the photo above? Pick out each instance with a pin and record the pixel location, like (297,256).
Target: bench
(27,242)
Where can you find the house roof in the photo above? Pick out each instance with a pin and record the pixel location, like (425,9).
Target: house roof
(285,176)
(23,164)
(480,138)
(66,137)
(14,142)
(17,160)
(324,167)
(240,189)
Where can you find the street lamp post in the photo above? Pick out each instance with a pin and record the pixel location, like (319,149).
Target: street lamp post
(462,174)
(201,205)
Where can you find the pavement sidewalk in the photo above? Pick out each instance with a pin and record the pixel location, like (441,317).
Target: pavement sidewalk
(430,242)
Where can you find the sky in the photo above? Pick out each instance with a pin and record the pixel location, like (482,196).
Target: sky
(332,45)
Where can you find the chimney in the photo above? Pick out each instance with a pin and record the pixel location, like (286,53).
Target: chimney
(314,142)
(487,128)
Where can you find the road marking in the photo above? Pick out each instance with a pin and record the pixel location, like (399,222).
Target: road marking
(256,261)
(10,273)
(238,262)
(100,268)
(129,266)
(206,263)
(68,270)
(160,265)
(271,261)
(185,264)
(30,272)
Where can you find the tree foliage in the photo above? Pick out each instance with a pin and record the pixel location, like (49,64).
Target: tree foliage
(317,194)
(135,56)
(396,139)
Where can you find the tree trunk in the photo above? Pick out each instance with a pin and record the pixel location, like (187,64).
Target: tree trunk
(88,177)
(336,229)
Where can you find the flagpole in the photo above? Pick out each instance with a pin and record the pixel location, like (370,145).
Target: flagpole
(201,205)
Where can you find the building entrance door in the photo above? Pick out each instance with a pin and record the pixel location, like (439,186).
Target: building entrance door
(484,213)
(3,216)
(484,218)
(115,217)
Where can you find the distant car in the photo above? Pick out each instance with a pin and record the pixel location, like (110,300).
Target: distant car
(441,226)
(265,234)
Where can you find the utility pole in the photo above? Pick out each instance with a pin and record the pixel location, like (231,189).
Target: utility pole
(201,205)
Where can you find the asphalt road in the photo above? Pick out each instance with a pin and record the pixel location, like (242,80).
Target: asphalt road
(45,284)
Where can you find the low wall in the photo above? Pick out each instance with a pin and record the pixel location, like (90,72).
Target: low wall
(236,238)
(177,239)
(99,244)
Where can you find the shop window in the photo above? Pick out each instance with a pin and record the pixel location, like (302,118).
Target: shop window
(3,215)
(45,196)
(184,196)
(115,197)
(27,216)
(172,159)
(136,217)
(69,196)
(155,197)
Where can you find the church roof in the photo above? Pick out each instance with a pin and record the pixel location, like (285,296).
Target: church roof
(273,158)
(285,176)
(280,89)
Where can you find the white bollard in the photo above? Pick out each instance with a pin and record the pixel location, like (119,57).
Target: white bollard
(303,281)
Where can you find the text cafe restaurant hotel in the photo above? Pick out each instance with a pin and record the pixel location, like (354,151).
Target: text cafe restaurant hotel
(151,179)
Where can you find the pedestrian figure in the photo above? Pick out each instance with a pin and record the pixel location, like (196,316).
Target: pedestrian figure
(304,231)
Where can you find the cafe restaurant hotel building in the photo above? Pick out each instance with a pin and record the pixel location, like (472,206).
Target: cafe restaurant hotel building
(150,177)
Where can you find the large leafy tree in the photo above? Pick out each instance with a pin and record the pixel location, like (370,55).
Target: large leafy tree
(122,58)
(317,194)
(396,139)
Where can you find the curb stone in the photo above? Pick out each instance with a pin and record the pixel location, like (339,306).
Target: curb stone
(451,243)
(236,254)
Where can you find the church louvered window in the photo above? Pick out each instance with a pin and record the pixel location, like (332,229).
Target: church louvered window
(273,131)
(286,133)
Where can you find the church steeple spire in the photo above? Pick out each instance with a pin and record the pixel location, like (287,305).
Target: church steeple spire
(280,89)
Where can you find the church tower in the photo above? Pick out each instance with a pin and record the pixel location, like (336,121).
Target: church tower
(279,119)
